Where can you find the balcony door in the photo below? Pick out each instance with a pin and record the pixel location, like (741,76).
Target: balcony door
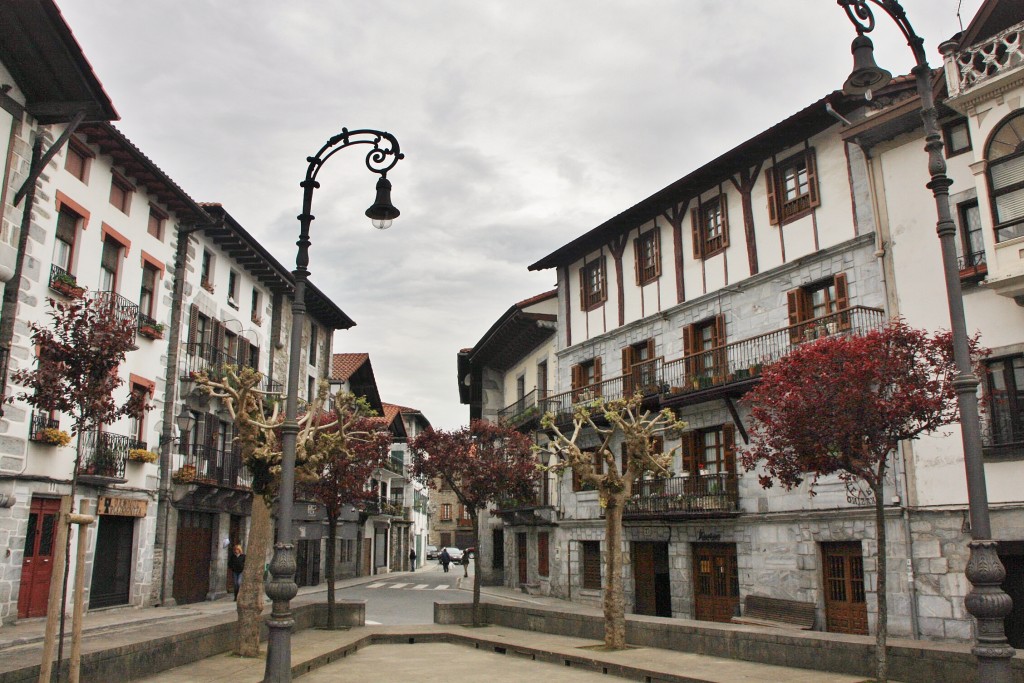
(110,260)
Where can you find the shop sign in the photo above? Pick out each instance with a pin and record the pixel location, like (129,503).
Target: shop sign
(121,507)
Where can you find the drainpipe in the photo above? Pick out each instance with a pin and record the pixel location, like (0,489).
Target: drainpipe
(170,398)
(905,451)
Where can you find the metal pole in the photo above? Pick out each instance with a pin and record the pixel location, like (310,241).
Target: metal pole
(282,587)
(986,601)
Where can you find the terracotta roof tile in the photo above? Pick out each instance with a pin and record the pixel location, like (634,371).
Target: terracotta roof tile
(344,364)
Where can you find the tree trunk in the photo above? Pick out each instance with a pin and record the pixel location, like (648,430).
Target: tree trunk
(476,570)
(332,540)
(614,603)
(250,593)
(882,626)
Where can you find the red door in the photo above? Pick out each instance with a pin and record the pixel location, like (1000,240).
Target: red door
(37,566)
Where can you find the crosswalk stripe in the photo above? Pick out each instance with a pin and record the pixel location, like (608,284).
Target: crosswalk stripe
(399,585)
(420,587)
(376,585)
(441,588)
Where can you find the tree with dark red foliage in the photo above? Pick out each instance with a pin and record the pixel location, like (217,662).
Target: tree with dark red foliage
(841,405)
(347,449)
(76,373)
(483,464)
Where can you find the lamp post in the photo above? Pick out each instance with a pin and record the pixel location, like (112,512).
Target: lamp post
(384,153)
(986,601)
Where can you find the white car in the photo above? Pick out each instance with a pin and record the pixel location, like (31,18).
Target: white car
(453,553)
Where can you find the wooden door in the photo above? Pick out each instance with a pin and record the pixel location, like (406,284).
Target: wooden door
(192,555)
(845,605)
(643,578)
(498,549)
(522,557)
(112,563)
(716,586)
(37,565)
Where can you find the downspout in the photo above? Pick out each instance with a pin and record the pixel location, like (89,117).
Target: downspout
(886,267)
(170,398)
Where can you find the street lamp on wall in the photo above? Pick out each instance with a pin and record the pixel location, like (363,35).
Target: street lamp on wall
(384,153)
(986,601)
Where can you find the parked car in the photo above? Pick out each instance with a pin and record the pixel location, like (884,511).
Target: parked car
(431,552)
(454,553)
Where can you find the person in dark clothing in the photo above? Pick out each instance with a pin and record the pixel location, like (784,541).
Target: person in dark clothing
(445,559)
(412,559)
(236,563)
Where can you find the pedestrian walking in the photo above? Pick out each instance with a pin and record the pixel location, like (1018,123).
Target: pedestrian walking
(445,558)
(236,563)
(412,559)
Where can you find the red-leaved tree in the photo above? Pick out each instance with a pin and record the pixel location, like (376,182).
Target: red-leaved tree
(483,464)
(841,406)
(349,448)
(76,373)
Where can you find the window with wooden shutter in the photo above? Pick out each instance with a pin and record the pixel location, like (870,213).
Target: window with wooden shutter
(593,284)
(689,349)
(798,303)
(647,249)
(67,233)
(792,187)
(714,226)
(819,308)
(590,565)
(688,451)
(193,326)
(542,553)
(729,447)
(698,239)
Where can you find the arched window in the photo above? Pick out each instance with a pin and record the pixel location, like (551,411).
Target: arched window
(1005,155)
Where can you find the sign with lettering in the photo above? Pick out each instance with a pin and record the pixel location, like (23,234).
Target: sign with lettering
(121,507)
(709,535)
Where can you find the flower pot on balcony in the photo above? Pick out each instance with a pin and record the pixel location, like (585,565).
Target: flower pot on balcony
(50,436)
(184,474)
(67,286)
(152,331)
(141,455)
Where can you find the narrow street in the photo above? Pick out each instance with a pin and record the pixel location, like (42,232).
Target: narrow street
(404,598)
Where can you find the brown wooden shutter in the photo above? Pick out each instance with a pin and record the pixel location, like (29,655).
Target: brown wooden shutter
(577,376)
(604,279)
(719,357)
(724,203)
(773,199)
(812,178)
(698,239)
(628,359)
(638,268)
(650,348)
(689,346)
(729,446)
(193,323)
(842,299)
(796,300)
(689,452)
(542,553)
(597,376)
(583,286)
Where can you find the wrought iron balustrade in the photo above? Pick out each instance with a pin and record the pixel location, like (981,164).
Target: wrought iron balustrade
(119,308)
(104,454)
(63,282)
(698,495)
(737,363)
(203,464)
(523,410)
(39,421)
(382,507)
(204,357)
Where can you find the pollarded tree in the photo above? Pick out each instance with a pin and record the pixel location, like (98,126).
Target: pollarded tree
(349,448)
(841,406)
(643,433)
(483,464)
(76,373)
(257,427)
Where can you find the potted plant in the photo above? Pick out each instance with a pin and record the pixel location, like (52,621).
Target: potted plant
(153,330)
(207,285)
(52,436)
(142,455)
(184,474)
(66,284)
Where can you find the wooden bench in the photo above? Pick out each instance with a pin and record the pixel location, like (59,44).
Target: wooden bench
(759,610)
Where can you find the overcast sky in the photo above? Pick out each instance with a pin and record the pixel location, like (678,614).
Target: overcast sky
(525,123)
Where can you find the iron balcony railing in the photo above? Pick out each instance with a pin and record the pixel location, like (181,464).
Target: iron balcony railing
(118,307)
(202,464)
(104,454)
(729,364)
(63,282)
(40,421)
(697,495)
(382,507)
(972,265)
(204,357)
(523,410)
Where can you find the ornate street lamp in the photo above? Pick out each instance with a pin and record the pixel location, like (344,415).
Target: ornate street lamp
(986,601)
(384,153)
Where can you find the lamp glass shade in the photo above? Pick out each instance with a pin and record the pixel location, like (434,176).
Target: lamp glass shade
(866,76)
(185,421)
(382,212)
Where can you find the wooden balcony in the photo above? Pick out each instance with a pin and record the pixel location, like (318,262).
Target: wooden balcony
(696,495)
(722,372)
